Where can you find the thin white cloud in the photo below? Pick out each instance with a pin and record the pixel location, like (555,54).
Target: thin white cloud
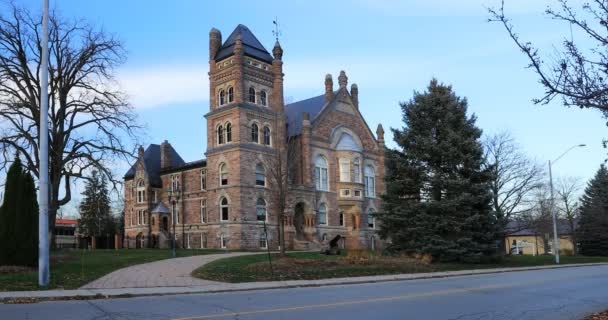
(156,86)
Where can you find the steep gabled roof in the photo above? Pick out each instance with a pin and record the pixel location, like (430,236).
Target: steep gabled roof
(251,45)
(152,164)
(294,111)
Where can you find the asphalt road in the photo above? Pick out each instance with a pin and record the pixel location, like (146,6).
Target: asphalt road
(569,293)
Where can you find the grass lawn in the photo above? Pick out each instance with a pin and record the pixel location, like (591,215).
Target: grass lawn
(309,265)
(71,269)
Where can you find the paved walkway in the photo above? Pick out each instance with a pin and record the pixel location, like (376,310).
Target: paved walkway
(164,273)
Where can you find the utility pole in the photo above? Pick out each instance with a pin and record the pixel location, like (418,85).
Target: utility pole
(43,145)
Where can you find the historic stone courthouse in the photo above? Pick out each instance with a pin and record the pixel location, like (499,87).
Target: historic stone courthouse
(318,154)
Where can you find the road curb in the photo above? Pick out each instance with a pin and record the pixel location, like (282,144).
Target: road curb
(86,294)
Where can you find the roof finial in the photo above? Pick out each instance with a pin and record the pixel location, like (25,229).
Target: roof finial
(277,31)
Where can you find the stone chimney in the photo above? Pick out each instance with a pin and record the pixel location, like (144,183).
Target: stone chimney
(380,134)
(354,93)
(343,81)
(215,42)
(165,155)
(329,87)
(140,152)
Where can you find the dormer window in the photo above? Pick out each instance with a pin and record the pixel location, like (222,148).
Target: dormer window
(252,94)
(263,97)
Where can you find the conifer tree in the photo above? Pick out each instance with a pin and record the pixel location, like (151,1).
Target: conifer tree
(95,214)
(19,219)
(592,231)
(437,199)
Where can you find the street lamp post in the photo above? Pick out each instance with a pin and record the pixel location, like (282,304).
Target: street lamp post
(551,207)
(173,198)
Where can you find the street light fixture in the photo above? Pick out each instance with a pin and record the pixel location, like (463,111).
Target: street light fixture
(553,211)
(173,198)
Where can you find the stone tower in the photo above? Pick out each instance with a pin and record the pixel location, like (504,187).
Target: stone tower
(245,129)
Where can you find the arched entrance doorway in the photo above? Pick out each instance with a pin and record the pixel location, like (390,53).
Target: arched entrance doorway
(138,241)
(298,220)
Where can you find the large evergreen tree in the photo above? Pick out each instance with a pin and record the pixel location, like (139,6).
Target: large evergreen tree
(95,214)
(592,231)
(437,198)
(19,219)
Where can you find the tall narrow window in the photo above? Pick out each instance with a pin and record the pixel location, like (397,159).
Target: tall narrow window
(220,134)
(260,175)
(267,136)
(204,211)
(357,170)
(174,182)
(223,241)
(255,131)
(131,218)
(321,173)
(344,170)
(224,208)
(141,191)
(203,179)
(322,214)
(203,241)
(370,181)
(228,132)
(263,241)
(260,209)
(252,94)
(263,98)
(223,175)
(222,97)
(341,219)
(371,220)
(230,94)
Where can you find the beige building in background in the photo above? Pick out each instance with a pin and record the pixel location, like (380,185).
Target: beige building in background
(522,239)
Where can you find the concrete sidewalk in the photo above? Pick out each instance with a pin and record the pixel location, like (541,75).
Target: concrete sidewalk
(222,287)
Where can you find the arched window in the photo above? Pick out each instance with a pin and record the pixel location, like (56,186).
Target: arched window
(260,175)
(321,173)
(255,131)
(371,219)
(223,174)
(222,97)
(228,132)
(357,170)
(230,94)
(224,209)
(322,219)
(141,191)
(267,136)
(370,181)
(220,134)
(260,209)
(252,94)
(263,98)
(204,211)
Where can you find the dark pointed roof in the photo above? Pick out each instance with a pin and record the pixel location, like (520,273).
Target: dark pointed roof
(251,45)
(152,162)
(294,111)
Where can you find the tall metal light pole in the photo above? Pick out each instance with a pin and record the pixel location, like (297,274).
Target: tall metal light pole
(173,198)
(551,207)
(43,154)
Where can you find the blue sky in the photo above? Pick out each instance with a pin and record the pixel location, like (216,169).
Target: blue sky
(389,48)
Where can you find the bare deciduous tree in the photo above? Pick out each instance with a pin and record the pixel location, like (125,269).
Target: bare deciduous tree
(576,74)
(90,121)
(568,193)
(515,176)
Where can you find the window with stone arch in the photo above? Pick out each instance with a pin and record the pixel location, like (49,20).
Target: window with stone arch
(252,94)
(230,94)
(203,180)
(220,134)
(321,174)
(204,211)
(255,132)
(322,217)
(260,175)
(260,210)
(228,132)
(370,181)
(222,97)
(223,174)
(263,98)
(371,219)
(224,209)
(266,135)
(141,191)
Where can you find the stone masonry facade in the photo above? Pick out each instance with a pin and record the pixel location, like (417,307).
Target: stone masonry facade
(317,157)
